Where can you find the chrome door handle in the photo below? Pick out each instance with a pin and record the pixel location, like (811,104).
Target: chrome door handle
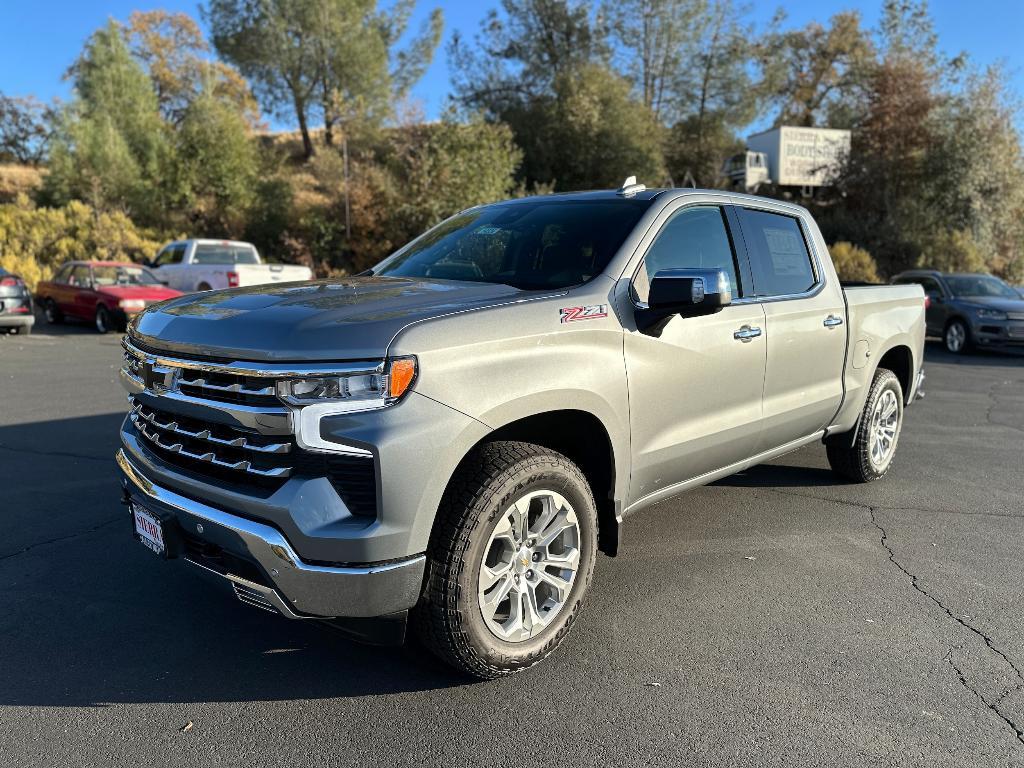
(746,334)
(832,321)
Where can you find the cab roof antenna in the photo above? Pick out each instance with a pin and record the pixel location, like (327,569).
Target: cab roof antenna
(630,187)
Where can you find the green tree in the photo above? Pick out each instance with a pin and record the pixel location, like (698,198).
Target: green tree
(111,146)
(333,58)
(217,166)
(521,52)
(655,40)
(810,70)
(719,96)
(598,134)
(976,173)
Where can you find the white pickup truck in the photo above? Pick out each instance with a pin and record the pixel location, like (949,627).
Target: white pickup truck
(203,265)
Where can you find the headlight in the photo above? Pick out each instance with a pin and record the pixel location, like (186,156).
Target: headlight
(132,305)
(990,314)
(355,391)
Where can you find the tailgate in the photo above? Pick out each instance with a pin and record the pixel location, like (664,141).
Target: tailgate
(261,274)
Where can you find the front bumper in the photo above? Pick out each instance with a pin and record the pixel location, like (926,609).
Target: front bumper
(274,573)
(997,333)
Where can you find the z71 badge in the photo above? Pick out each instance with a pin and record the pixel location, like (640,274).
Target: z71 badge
(590,312)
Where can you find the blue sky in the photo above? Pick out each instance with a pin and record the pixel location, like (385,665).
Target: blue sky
(40,39)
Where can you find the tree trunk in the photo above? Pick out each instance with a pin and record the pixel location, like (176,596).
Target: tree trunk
(307,142)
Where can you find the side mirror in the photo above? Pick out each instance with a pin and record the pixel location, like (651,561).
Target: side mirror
(685,292)
(165,282)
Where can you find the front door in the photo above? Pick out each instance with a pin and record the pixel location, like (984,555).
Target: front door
(695,390)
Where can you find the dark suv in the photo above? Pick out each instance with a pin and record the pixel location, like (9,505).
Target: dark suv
(969,310)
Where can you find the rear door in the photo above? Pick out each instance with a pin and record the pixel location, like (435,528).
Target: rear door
(695,389)
(805,316)
(77,298)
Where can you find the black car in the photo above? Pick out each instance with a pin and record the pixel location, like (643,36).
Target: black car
(16,315)
(969,310)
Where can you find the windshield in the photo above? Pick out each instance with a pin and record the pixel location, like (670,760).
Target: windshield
(981,285)
(123,276)
(224,253)
(532,245)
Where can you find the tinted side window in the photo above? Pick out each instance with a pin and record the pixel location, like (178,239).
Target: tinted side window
(171,255)
(81,277)
(778,253)
(62,276)
(694,238)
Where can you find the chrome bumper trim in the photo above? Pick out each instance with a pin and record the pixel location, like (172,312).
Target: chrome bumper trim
(313,590)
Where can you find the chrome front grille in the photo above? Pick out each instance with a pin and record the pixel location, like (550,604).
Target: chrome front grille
(190,441)
(1015,315)
(224,422)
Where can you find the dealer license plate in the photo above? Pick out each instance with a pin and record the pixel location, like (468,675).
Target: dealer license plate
(149,529)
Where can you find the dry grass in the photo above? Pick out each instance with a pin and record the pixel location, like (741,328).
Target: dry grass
(19,179)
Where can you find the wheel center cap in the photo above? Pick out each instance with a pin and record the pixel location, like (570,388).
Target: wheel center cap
(523,559)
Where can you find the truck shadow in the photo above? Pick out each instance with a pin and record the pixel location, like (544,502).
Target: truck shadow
(781,476)
(88,617)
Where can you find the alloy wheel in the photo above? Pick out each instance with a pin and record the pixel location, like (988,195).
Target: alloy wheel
(956,336)
(884,429)
(529,566)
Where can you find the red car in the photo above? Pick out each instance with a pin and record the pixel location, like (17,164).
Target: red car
(107,293)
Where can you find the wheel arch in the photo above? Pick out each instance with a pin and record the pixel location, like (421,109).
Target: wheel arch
(900,360)
(584,439)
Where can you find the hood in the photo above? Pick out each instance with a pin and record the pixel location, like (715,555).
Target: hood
(145,292)
(993,302)
(329,320)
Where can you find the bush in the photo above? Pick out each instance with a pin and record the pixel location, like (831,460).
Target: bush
(34,242)
(854,264)
(952,251)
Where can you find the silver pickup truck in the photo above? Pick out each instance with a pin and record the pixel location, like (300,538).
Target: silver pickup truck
(448,440)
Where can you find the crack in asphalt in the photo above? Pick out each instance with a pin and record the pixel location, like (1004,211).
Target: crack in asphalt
(948,658)
(63,454)
(57,539)
(994,706)
(994,400)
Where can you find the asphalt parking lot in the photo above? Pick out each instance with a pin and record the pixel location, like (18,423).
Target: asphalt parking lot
(776,618)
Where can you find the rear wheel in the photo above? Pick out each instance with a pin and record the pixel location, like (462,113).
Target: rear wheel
(203,287)
(511,559)
(103,322)
(52,312)
(866,453)
(957,337)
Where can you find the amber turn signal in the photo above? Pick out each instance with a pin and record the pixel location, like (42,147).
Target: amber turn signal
(402,371)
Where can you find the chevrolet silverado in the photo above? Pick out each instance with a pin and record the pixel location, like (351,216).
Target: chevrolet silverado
(447,441)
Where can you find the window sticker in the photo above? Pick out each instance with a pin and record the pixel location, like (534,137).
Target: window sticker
(787,252)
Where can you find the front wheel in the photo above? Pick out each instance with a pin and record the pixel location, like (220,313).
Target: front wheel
(102,321)
(866,452)
(510,560)
(957,337)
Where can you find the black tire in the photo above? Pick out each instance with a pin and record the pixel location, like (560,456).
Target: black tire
(849,454)
(955,330)
(103,322)
(448,619)
(53,314)
(203,287)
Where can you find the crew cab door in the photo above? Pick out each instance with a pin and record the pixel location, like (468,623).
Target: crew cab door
(695,389)
(168,264)
(805,325)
